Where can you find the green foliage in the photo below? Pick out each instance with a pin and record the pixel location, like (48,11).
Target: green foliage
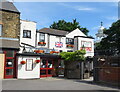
(68,26)
(73,56)
(112,40)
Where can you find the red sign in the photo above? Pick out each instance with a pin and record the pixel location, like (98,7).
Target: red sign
(87,48)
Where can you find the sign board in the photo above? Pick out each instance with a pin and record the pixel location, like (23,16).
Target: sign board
(87,45)
(29,64)
(59,44)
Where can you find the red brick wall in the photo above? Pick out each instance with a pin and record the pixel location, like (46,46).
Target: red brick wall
(109,74)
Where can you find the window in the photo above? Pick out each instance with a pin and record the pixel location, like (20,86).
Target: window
(10,53)
(26,34)
(69,41)
(60,51)
(0,30)
(69,51)
(42,37)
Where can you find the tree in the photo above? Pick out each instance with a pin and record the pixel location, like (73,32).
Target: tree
(112,40)
(68,26)
(73,56)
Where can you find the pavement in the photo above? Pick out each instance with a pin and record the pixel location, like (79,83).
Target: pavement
(53,84)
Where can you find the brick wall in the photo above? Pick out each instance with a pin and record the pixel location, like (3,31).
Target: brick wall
(109,74)
(11,24)
(107,69)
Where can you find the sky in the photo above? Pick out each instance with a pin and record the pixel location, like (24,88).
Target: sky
(88,14)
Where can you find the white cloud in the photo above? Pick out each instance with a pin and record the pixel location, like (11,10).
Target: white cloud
(83,8)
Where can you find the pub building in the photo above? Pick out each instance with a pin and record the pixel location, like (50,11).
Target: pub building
(28,53)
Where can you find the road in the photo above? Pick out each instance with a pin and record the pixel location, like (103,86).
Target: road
(51,84)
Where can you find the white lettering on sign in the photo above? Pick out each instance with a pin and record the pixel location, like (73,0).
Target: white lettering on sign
(29,65)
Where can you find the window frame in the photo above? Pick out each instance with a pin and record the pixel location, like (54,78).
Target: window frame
(69,42)
(26,31)
(41,35)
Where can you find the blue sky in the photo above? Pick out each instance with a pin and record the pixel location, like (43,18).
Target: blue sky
(88,14)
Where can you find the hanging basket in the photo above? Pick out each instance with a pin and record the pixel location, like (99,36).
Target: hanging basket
(37,61)
(23,62)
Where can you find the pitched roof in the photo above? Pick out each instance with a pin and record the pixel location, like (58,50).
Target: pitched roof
(53,31)
(8,6)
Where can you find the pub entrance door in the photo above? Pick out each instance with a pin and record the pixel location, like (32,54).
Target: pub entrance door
(46,67)
(9,65)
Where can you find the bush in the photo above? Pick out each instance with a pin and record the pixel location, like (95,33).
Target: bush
(73,56)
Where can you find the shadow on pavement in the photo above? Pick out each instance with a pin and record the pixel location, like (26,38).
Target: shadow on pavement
(98,84)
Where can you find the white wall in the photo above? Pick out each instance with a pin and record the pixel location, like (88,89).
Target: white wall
(52,39)
(23,74)
(75,32)
(28,25)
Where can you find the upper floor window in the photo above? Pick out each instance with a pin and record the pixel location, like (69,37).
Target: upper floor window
(42,37)
(69,41)
(26,34)
(0,30)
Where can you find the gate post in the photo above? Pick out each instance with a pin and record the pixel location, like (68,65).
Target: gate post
(82,70)
(95,69)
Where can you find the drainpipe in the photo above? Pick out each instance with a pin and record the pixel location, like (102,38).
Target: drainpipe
(36,40)
(77,44)
(48,41)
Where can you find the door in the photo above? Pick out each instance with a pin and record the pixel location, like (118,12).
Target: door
(46,68)
(9,66)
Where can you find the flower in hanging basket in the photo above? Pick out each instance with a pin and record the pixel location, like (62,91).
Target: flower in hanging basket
(37,61)
(56,51)
(67,45)
(23,62)
(44,42)
(72,46)
(40,42)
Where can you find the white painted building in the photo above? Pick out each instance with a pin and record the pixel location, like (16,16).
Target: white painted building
(48,39)
(27,34)
(59,40)
(29,69)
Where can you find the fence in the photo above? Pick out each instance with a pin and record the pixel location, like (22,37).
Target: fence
(107,69)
